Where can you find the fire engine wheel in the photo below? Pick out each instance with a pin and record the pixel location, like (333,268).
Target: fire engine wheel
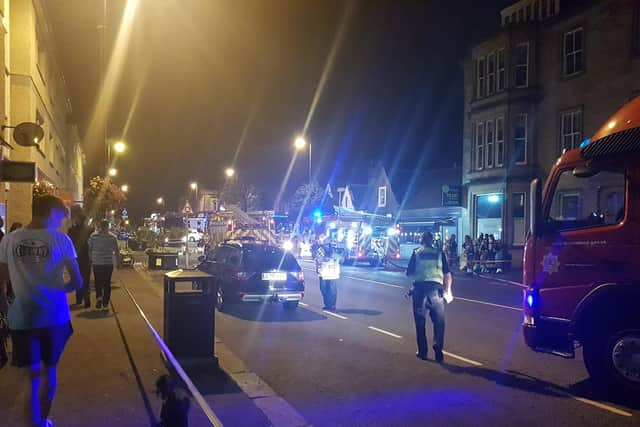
(612,358)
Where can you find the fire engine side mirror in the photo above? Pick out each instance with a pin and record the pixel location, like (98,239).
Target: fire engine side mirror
(536,205)
(585,171)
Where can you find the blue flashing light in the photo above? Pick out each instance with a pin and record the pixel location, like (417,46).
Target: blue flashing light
(584,143)
(530,300)
(317,213)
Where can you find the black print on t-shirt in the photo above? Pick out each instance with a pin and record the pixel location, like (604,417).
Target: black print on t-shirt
(32,251)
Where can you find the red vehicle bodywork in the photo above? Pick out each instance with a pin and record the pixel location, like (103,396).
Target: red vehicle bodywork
(577,278)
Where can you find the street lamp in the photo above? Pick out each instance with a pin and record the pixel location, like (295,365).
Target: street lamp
(300,143)
(119,147)
(113,172)
(160,201)
(229,172)
(124,188)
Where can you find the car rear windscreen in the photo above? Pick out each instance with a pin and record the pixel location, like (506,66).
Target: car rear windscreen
(259,258)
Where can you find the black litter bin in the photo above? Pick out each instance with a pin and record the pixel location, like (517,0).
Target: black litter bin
(163,260)
(189,322)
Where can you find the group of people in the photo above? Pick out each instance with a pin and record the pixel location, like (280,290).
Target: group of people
(486,254)
(33,260)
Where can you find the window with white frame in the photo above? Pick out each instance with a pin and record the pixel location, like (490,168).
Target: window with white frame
(573,52)
(518,217)
(481,83)
(480,145)
(522,65)
(500,142)
(491,73)
(382,196)
(490,142)
(520,139)
(501,82)
(570,129)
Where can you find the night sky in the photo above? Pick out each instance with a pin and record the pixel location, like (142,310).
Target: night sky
(199,75)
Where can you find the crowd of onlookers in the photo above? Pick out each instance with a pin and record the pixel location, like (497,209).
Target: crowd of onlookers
(486,254)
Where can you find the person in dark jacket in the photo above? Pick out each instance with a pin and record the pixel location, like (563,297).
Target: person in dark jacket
(79,233)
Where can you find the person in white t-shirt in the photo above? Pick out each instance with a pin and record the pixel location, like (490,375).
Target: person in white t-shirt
(34,259)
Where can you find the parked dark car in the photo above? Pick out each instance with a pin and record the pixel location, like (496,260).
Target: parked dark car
(254,272)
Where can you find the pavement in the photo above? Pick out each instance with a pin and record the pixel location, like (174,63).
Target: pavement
(107,374)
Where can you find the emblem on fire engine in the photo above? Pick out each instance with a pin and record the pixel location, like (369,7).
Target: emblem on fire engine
(550,263)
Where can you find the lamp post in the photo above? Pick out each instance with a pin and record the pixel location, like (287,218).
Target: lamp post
(300,143)
(119,147)
(230,172)
(113,172)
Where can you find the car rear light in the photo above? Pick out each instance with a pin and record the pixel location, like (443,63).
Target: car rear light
(243,276)
(299,275)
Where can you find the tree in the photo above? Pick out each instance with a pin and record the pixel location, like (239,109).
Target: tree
(42,188)
(102,195)
(246,196)
(306,198)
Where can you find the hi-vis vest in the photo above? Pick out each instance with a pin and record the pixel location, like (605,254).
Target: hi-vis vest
(428,265)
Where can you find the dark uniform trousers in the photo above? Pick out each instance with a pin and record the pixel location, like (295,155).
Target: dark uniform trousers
(428,297)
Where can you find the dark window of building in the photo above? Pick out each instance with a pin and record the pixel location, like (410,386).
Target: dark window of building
(499,141)
(491,73)
(522,65)
(520,139)
(521,15)
(528,12)
(536,9)
(518,205)
(517,214)
(570,129)
(501,83)
(513,17)
(481,83)
(543,15)
(573,52)
(490,143)
(479,146)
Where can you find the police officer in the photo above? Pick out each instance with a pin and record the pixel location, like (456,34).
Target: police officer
(432,279)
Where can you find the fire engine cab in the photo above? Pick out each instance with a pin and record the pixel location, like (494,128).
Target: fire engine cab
(582,256)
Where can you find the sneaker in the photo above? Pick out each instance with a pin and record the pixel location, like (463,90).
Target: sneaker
(421,356)
(105,305)
(99,303)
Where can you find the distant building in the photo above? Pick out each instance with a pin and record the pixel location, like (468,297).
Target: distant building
(553,73)
(34,90)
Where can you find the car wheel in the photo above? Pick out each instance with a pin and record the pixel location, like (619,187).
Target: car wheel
(290,305)
(612,358)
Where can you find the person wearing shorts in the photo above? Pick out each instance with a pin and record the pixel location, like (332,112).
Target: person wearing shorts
(34,258)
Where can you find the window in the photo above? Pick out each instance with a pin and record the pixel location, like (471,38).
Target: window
(582,202)
(479,146)
(520,139)
(491,73)
(522,65)
(573,52)
(490,141)
(570,129)
(518,217)
(488,216)
(499,141)
(382,197)
(501,71)
(481,78)
(521,15)
(528,12)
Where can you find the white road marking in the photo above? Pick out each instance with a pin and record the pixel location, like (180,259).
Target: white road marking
(462,359)
(303,304)
(508,307)
(330,313)
(609,408)
(374,281)
(509,282)
(382,331)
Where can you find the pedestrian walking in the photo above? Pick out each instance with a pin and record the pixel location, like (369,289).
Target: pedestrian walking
(103,246)
(328,269)
(34,259)
(79,232)
(432,282)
